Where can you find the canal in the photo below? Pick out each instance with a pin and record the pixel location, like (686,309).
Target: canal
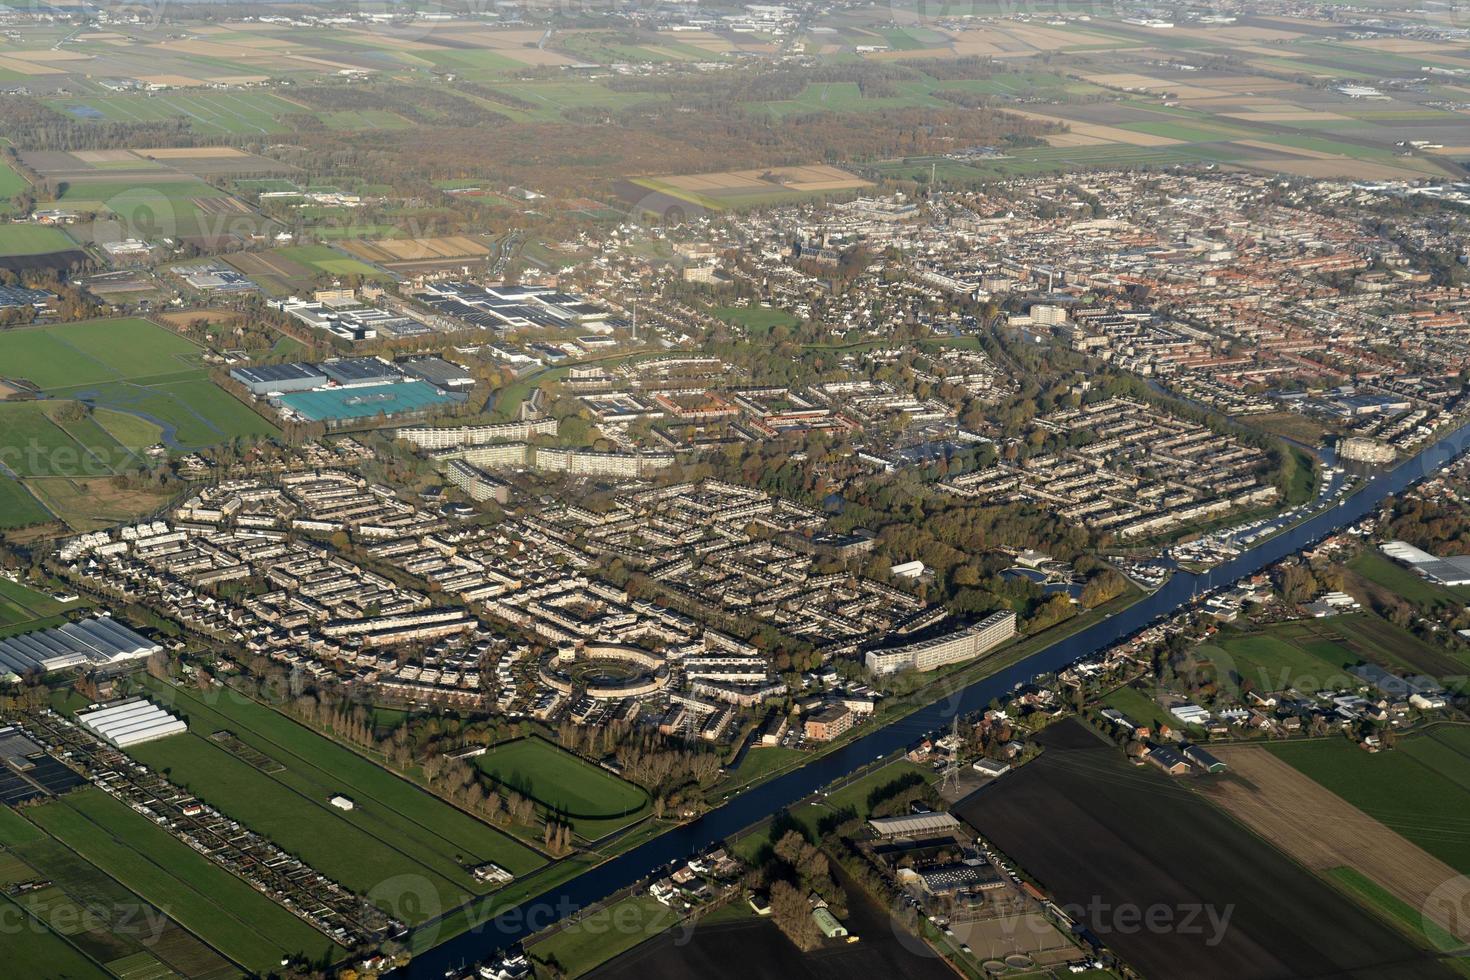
(759,802)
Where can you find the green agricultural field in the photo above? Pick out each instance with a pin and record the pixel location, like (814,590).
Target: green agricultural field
(1391,907)
(326,259)
(123,369)
(1270,662)
(596,801)
(17,239)
(594,939)
(1420,792)
(94,351)
(757,320)
(21,604)
(17,507)
(209,113)
(100,916)
(11,184)
(203,897)
(397,827)
(33,950)
(34,443)
(129,431)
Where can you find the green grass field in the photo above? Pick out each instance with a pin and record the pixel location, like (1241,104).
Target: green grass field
(203,897)
(596,801)
(326,259)
(129,431)
(855,796)
(757,320)
(1137,705)
(94,351)
(146,383)
(11,184)
(397,828)
(210,113)
(1270,661)
(20,604)
(100,916)
(36,444)
(17,507)
(1391,908)
(1384,571)
(17,239)
(1423,792)
(593,940)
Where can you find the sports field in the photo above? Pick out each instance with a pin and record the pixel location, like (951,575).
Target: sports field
(17,239)
(596,801)
(396,829)
(1421,789)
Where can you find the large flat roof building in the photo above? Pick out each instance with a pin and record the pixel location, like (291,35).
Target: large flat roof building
(951,648)
(934,823)
(352,371)
(266,379)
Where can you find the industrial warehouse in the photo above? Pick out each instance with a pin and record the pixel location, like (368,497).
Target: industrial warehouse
(96,641)
(346,390)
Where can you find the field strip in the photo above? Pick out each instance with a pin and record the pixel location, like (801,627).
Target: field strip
(1323,831)
(101,838)
(288,755)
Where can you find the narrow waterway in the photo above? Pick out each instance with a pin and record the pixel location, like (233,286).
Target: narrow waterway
(761,801)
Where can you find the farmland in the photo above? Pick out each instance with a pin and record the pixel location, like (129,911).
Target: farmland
(246,926)
(11,184)
(752,188)
(328,260)
(94,351)
(1421,790)
(208,113)
(596,801)
(396,829)
(729,944)
(1340,841)
(17,507)
(598,937)
(17,239)
(101,918)
(1157,845)
(20,604)
(125,367)
(37,444)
